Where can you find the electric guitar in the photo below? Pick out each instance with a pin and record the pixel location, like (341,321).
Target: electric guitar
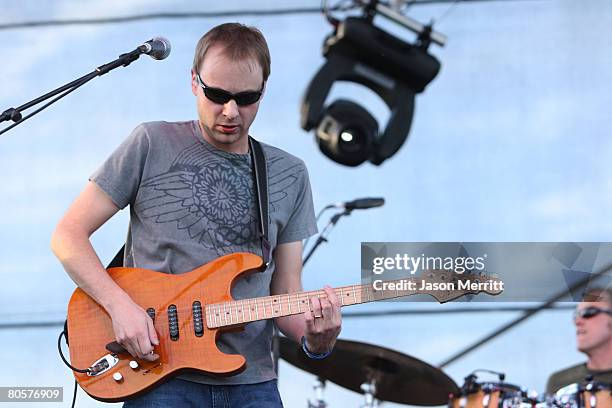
(191,310)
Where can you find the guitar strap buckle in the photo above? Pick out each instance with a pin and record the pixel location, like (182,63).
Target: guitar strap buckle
(265,250)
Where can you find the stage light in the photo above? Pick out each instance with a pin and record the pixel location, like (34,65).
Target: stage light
(346,133)
(359,52)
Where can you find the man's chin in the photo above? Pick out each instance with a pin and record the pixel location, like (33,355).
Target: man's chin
(226,138)
(584,347)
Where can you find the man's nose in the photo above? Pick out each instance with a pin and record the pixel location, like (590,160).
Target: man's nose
(230,109)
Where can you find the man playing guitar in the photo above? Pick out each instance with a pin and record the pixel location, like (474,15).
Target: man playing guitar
(190,190)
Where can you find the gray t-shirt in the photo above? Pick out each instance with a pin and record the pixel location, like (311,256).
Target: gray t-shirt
(191,203)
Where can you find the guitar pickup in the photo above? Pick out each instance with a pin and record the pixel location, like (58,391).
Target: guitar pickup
(173,325)
(198,325)
(151,313)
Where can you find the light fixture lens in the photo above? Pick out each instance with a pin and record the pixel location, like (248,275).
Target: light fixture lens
(346,136)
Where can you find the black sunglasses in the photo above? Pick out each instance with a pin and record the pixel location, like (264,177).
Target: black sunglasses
(221,96)
(591,311)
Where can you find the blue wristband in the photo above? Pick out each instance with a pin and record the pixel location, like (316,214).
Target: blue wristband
(314,356)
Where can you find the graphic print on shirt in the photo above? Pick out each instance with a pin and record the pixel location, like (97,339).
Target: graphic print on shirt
(212,198)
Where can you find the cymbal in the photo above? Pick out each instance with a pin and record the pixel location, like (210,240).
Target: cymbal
(398,377)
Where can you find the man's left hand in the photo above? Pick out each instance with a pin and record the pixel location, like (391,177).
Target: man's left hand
(323,322)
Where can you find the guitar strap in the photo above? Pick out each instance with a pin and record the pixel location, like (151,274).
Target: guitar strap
(260,175)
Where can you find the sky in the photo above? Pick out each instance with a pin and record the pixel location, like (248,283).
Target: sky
(508,143)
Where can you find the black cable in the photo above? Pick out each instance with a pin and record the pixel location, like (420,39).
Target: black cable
(347,315)
(59,348)
(74,394)
(183,15)
(162,15)
(445,13)
(504,328)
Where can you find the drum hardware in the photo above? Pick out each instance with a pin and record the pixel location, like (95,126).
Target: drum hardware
(318,388)
(369,391)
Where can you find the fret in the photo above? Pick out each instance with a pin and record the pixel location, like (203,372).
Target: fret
(256,309)
(267,309)
(304,302)
(289,302)
(274,305)
(341,297)
(250,315)
(354,294)
(225,313)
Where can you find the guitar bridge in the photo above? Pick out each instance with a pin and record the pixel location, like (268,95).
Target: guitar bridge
(103,365)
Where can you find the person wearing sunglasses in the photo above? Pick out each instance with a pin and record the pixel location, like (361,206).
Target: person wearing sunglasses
(593,321)
(190,188)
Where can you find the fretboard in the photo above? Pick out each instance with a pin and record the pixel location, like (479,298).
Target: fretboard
(268,307)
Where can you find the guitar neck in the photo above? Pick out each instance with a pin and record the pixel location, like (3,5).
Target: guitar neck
(268,307)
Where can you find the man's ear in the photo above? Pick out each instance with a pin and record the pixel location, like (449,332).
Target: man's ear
(194,83)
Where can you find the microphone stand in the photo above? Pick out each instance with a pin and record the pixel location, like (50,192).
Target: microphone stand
(15,115)
(323,235)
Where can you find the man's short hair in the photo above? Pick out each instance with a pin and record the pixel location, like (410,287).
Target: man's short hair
(240,42)
(598,294)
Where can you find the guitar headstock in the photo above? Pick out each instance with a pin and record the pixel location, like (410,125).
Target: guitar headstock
(445,285)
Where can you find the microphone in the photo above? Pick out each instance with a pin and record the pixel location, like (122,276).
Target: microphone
(157,48)
(360,203)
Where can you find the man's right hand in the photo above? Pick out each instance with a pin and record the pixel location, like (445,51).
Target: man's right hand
(134,329)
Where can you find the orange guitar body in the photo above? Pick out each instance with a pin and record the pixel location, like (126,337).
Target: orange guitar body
(90,327)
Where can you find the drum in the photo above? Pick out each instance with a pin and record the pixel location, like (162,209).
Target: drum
(589,395)
(491,395)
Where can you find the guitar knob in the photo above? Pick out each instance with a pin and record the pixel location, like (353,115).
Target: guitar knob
(133,364)
(117,377)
